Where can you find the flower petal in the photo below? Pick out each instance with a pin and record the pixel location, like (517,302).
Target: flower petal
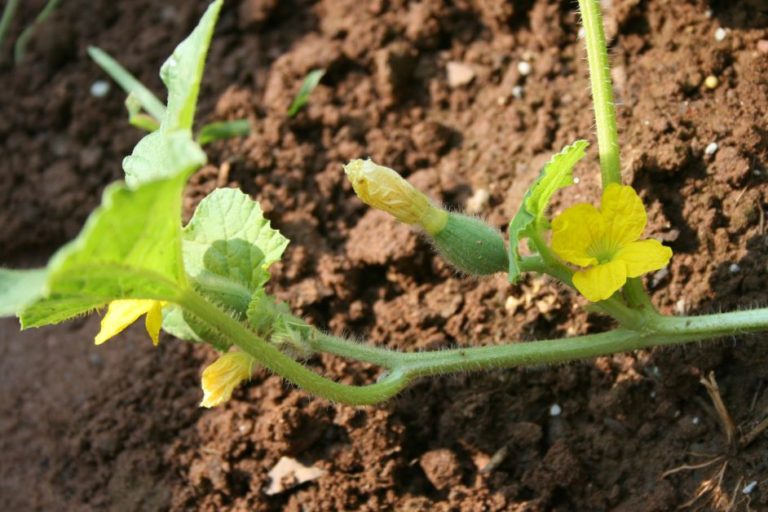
(644,256)
(154,321)
(121,314)
(224,375)
(600,282)
(624,214)
(574,230)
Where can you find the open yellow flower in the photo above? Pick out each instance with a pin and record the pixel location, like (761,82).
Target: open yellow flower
(605,242)
(224,375)
(122,313)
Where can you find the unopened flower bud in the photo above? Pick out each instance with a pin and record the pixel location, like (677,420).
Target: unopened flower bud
(224,375)
(384,189)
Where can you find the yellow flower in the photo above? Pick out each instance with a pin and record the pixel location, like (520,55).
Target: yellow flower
(224,375)
(605,242)
(384,189)
(122,313)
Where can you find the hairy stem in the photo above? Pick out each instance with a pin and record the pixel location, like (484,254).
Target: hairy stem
(404,367)
(602,92)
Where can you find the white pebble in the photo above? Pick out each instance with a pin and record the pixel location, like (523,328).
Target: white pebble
(582,33)
(518,91)
(711,149)
(576,180)
(99,88)
(555,410)
(696,420)
(478,201)
(749,487)
(734,268)
(720,34)
(524,68)
(680,307)
(653,394)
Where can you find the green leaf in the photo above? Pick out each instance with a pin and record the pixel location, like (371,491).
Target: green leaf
(229,245)
(160,155)
(223,130)
(307,86)
(18,288)
(130,248)
(556,174)
(183,71)
(128,82)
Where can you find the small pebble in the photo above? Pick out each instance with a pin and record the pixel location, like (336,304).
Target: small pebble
(711,149)
(720,34)
(576,180)
(582,33)
(734,268)
(680,307)
(653,394)
(518,91)
(749,487)
(478,201)
(708,13)
(711,82)
(555,410)
(659,276)
(524,68)
(459,74)
(696,420)
(99,88)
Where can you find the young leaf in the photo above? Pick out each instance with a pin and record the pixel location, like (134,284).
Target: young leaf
(130,248)
(556,174)
(223,130)
(160,155)
(229,245)
(128,82)
(183,71)
(307,86)
(18,288)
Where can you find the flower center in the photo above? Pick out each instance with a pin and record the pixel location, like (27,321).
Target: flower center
(603,250)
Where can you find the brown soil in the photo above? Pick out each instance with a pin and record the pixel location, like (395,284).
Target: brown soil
(118,427)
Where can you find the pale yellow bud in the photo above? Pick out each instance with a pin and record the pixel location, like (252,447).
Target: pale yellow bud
(224,375)
(384,189)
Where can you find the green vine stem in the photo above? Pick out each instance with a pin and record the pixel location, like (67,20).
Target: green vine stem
(602,92)
(404,367)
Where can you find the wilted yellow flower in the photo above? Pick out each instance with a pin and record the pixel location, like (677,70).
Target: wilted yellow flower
(122,313)
(384,189)
(605,242)
(224,375)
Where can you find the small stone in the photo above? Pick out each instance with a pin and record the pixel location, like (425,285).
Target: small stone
(478,201)
(659,276)
(762,46)
(459,74)
(711,149)
(720,34)
(518,91)
(680,307)
(711,82)
(749,487)
(734,268)
(100,88)
(441,467)
(582,33)
(524,68)
(555,410)
(695,420)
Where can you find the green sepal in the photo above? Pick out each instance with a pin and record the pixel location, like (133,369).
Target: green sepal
(471,245)
(556,174)
(273,321)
